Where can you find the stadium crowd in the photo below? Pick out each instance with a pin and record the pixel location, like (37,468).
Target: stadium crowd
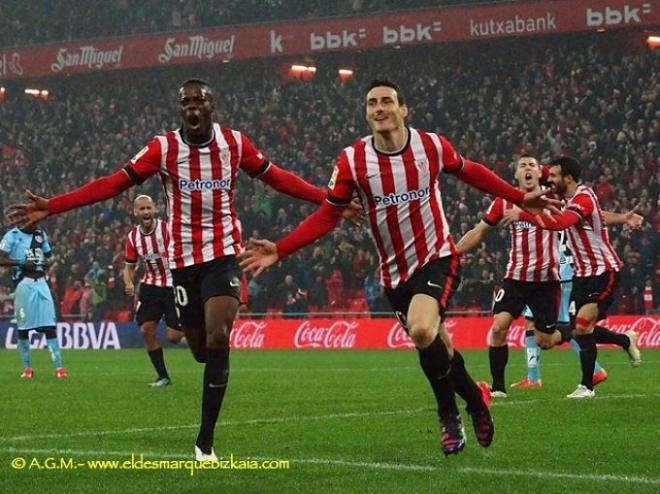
(41,21)
(597,102)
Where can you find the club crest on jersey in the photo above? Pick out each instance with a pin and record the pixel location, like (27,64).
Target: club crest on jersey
(225,155)
(139,154)
(422,165)
(333,178)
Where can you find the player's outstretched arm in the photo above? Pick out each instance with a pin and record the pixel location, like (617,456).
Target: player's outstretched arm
(291,184)
(259,256)
(323,221)
(28,214)
(481,177)
(473,238)
(630,218)
(555,222)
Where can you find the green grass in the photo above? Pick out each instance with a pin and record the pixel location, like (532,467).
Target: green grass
(348,422)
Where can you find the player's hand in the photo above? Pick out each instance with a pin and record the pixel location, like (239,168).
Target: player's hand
(26,215)
(634,220)
(130,290)
(29,266)
(510,215)
(259,256)
(354,212)
(535,202)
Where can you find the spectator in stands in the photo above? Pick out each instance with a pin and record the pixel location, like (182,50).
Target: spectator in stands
(607,117)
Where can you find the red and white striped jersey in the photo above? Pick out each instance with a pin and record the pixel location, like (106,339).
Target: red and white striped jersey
(401,195)
(151,250)
(534,253)
(199,183)
(589,239)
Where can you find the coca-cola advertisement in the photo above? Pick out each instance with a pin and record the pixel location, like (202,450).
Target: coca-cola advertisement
(384,334)
(325,334)
(319,334)
(248,334)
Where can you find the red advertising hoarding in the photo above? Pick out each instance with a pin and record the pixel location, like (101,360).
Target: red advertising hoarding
(437,25)
(383,334)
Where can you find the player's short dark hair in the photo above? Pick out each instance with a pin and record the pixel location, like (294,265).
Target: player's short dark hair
(569,166)
(526,155)
(387,83)
(200,82)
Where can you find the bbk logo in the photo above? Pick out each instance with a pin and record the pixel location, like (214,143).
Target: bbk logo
(276,39)
(331,41)
(409,34)
(613,17)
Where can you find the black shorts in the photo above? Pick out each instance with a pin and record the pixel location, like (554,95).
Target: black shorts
(599,290)
(194,285)
(156,303)
(542,297)
(439,279)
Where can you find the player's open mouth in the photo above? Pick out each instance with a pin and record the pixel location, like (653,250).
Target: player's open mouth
(193,120)
(528,176)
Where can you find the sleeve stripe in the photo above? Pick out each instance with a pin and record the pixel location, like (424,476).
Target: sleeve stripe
(336,201)
(132,174)
(265,166)
(576,210)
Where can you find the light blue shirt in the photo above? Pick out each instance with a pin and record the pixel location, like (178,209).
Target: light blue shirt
(24,246)
(565,260)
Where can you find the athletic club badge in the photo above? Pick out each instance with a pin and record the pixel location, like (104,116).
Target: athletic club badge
(422,165)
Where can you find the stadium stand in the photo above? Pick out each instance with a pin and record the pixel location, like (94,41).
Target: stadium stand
(596,101)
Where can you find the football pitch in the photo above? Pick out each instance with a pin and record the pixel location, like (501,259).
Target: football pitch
(346,421)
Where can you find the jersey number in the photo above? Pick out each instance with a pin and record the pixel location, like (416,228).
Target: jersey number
(181,296)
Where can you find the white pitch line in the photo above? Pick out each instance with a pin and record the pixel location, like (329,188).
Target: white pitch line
(239,370)
(295,418)
(542,474)
(227,423)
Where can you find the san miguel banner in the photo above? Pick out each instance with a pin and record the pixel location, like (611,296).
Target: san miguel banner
(317,334)
(437,25)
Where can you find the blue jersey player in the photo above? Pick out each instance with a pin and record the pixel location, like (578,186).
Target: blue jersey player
(26,251)
(532,350)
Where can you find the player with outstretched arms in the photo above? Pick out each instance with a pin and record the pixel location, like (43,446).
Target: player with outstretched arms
(198,164)
(396,172)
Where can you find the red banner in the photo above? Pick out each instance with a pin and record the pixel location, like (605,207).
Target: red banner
(438,25)
(383,334)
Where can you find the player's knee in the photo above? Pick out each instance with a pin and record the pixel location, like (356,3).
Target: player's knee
(148,330)
(498,334)
(546,345)
(200,356)
(218,338)
(544,341)
(421,333)
(174,336)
